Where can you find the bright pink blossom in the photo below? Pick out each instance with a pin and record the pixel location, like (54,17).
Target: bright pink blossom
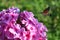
(16,25)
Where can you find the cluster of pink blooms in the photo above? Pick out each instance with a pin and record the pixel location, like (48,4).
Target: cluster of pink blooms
(16,25)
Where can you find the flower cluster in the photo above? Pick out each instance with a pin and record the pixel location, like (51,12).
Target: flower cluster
(16,25)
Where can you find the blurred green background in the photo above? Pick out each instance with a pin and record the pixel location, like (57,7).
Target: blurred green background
(37,6)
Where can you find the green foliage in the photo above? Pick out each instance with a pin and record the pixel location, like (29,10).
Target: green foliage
(37,6)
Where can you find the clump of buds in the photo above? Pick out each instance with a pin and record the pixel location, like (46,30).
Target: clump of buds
(16,25)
